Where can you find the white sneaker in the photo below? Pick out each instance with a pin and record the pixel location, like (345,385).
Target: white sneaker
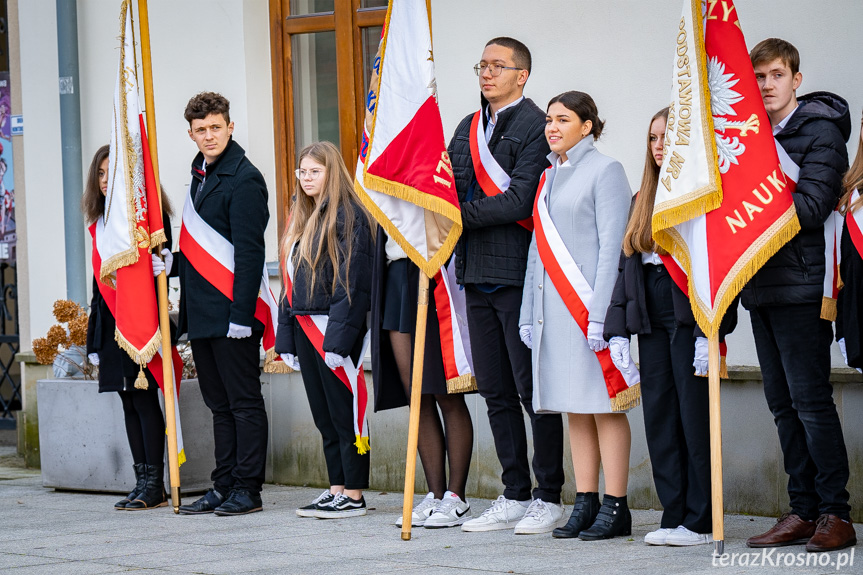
(540,517)
(422,511)
(503,514)
(451,511)
(683,537)
(659,536)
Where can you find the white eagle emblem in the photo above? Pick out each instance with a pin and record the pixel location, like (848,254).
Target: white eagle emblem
(722,100)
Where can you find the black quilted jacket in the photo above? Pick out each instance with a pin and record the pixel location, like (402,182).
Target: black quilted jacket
(493,247)
(815,139)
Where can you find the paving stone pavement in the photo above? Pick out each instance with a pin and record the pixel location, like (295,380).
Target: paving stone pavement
(47,532)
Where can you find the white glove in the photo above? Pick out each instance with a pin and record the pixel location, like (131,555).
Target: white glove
(158,265)
(239,331)
(619,348)
(842,349)
(700,363)
(525,332)
(333,360)
(94,358)
(595,341)
(169,260)
(291,361)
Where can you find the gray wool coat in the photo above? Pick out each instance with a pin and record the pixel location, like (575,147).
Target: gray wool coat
(589,203)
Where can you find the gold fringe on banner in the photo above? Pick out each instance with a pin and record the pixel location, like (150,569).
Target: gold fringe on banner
(626,399)
(363,445)
(273,366)
(461,384)
(141,380)
(145,354)
(828,308)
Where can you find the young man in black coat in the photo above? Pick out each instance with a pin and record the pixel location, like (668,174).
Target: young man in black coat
(491,258)
(784,299)
(230,195)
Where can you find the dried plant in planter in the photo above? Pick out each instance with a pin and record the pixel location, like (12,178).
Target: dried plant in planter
(64,347)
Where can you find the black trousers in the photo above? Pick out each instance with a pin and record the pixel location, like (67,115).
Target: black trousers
(793,345)
(504,379)
(230,377)
(145,425)
(333,411)
(676,411)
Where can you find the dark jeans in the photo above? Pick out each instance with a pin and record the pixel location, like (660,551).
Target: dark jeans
(504,379)
(793,345)
(676,411)
(333,411)
(229,374)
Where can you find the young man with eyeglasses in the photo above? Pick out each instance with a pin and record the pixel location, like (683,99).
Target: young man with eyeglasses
(227,204)
(498,155)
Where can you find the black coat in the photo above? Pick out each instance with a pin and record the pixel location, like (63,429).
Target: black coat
(815,139)
(117,371)
(493,247)
(233,202)
(849,317)
(627,314)
(346,326)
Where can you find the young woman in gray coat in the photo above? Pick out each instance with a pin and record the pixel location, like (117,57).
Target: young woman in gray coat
(588,199)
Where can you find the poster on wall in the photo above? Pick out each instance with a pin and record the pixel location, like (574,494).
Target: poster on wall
(8,235)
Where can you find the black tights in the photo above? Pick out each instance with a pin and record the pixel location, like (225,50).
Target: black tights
(434,444)
(145,426)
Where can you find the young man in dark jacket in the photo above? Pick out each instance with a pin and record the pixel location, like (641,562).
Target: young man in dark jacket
(491,258)
(784,300)
(230,198)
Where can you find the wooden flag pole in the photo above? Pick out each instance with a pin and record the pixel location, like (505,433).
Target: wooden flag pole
(416,397)
(162,279)
(716,446)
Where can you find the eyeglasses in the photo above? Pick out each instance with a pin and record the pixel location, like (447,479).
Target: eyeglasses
(311,174)
(493,69)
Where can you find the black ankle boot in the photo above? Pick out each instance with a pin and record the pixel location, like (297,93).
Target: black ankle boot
(583,515)
(613,519)
(140,481)
(153,494)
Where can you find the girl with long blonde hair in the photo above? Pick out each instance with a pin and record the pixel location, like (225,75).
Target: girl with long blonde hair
(327,252)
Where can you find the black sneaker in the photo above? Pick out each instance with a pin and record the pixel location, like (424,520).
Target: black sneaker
(240,502)
(205,504)
(342,506)
(321,500)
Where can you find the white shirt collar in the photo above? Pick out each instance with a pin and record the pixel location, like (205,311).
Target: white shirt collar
(781,125)
(492,121)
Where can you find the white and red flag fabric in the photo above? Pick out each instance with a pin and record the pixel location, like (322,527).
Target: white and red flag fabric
(404,176)
(723,205)
(132,221)
(854,221)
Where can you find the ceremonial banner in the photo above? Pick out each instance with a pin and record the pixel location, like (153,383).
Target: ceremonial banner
(719,146)
(132,223)
(404,176)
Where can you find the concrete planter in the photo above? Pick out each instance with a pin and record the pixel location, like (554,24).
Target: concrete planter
(83,442)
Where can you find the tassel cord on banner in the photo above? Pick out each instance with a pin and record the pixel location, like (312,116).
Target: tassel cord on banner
(716,446)
(162,279)
(416,397)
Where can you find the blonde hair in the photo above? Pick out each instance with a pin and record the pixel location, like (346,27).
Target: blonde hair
(639,232)
(853,180)
(313,225)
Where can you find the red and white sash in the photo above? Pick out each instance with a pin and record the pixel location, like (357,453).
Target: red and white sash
(854,221)
(353,376)
(454,338)
(491,177)
(623,385)
(155,364)
(832,238)
(212,256)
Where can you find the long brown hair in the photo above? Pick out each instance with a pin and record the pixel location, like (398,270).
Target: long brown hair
(313,224)
(639,232)
(853,180)
(93,200)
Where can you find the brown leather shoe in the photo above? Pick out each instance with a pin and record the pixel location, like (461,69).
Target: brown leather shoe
(832,533)
(790,529)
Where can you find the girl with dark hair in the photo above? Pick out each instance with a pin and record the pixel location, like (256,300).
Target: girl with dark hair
(580,216)
(145,425)
(849,318)
(327,254)
(673,352)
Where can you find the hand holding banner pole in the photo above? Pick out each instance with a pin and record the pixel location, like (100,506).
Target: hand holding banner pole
(716,446)
(162,278)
